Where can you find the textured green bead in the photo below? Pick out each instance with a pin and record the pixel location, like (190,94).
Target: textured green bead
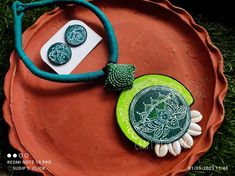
(119,76)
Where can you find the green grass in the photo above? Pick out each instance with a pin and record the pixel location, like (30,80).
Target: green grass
(223,148)
(221,28)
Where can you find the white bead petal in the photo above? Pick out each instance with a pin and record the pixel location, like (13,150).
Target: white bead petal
(196,119)
(195,113)
(194,133)
(183,143)
(176,147)
(196,116)
(170,148)
(188,139)
(161,150)
(157,149)
(195,127)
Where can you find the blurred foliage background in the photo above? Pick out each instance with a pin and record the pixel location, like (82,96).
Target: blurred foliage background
(216,16)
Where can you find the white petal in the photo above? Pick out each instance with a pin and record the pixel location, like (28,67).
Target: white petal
(196,119)
(195,127)
(195,113)
(157,149)
(176,147)
(161,150)
(194,133)
(183,143)
(170,148)
(196,116)
(188,139)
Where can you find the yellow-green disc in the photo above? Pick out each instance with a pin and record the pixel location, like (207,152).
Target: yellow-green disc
(126,97)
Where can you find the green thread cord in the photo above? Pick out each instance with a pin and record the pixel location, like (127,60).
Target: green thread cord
(18,11)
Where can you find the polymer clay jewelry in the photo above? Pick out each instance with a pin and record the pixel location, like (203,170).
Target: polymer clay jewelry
(75,35)
(151,109)
(156,111)
(59,54)
(18,11)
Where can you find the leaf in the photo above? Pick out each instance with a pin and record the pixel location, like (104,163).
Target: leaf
(166,130)
(181,112)
(151,125)
(158,132)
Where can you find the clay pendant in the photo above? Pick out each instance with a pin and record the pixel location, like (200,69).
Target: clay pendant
(159,114)
(156,110)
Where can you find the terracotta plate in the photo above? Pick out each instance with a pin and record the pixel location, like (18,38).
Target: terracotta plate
(74,125)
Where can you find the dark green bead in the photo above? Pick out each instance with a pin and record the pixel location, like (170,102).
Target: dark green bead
(59,54)
(159,114)
(119,76)
(75,35)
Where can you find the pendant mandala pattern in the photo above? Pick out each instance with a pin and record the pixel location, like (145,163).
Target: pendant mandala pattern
(160,114)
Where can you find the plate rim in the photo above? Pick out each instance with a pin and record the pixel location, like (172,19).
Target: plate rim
(220,84)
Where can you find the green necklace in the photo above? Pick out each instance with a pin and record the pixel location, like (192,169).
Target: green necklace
(151,109)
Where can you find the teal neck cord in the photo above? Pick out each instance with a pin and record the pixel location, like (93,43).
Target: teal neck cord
(18,10)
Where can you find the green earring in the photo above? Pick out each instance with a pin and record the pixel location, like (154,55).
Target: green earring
(59,54)
(75,35)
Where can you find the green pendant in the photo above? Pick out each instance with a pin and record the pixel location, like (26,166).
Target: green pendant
(126,97)
(159,114)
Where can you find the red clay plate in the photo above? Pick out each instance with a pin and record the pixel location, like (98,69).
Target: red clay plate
(74,125)
(29,161)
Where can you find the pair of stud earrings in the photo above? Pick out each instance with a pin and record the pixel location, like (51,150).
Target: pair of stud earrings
(60,53)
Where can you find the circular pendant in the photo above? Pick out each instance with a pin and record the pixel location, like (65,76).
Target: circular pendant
(125,102)
(59,54)
(156,111)
(75,35)
(159,114)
